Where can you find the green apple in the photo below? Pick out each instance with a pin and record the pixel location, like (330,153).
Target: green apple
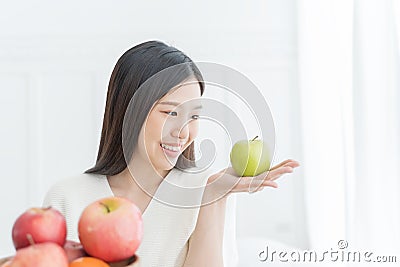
(250,157)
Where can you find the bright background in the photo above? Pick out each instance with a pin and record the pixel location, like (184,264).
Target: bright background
(328,69)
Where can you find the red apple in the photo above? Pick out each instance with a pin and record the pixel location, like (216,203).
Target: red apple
(41,225)
(40,255)
(111,229)
(74,250)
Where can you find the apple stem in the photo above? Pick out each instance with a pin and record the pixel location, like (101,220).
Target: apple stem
(30,239)
(254,138)
(108,209)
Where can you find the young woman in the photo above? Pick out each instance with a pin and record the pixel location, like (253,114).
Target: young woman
(146,154)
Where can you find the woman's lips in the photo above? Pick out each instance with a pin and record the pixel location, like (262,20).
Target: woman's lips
(171,153)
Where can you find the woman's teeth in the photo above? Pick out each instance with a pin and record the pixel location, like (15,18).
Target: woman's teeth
(172,148)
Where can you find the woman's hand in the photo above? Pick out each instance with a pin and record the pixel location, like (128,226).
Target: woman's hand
(227,181)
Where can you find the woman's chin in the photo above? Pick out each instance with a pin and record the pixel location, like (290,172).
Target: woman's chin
(170,162)
(164,167)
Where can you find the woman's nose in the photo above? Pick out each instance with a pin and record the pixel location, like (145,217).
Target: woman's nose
(181,132)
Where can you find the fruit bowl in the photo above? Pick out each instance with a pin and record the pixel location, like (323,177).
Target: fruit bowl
(4,260)
(132,262)
(36,245)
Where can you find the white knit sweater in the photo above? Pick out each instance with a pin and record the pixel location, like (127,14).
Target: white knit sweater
(167,227)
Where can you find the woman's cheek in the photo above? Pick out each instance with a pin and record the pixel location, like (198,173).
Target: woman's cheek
(155,126)
(194,129)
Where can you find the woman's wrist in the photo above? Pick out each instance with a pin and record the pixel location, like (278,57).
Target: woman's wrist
(215,190)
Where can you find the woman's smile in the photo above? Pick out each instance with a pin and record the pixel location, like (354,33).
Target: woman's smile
(172,150)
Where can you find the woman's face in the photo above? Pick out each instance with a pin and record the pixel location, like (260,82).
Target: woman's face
(171,126)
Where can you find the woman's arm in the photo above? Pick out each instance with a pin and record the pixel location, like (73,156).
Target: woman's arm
(205,243)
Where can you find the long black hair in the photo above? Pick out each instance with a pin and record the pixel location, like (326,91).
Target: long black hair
(132,71)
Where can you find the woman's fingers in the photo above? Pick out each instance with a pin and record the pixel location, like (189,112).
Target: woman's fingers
(280,164)
(227,179)
(271,172)
(247,185)
(253,184)
(288,162)
(274,174)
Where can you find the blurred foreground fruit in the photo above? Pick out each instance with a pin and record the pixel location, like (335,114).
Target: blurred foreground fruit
(6,264)
(74,250)
(40,255)
(111,229)
(40,225)
(88,262)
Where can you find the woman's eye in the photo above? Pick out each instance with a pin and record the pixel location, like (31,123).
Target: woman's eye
(172,113)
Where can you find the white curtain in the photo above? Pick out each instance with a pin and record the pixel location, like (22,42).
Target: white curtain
(350,96)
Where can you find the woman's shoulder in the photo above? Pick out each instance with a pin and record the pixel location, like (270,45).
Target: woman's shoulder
(80,187)
(79,182)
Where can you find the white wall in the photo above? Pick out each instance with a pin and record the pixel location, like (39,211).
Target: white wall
(55,62)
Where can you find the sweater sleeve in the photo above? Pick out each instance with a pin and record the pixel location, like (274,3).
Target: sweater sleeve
(72,195)
(55,198)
